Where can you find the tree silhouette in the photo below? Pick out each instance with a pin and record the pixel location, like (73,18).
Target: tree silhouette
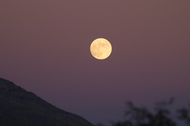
(184,114)
(161,115)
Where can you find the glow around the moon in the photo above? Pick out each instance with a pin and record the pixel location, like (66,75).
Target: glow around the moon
(100,48)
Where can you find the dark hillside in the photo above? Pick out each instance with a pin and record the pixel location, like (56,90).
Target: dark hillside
(19,107)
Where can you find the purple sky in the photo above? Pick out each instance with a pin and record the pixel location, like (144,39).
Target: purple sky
(44,48)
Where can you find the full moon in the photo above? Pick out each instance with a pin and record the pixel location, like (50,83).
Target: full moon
(100,48)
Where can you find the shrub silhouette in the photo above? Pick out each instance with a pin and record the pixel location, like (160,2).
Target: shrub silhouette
(161,115)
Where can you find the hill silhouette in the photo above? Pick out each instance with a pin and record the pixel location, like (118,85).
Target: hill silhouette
(19,107)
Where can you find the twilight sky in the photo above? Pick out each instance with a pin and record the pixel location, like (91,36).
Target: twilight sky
(44,48)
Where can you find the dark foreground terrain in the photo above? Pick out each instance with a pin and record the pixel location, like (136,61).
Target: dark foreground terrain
(19,107)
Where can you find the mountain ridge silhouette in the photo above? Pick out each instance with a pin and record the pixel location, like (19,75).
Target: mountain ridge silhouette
(19,107)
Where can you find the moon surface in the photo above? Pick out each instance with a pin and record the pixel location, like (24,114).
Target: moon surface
(100,48)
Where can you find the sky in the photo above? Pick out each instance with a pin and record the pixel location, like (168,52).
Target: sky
(45,48)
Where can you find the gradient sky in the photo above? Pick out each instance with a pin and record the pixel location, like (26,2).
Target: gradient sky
(44,48)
